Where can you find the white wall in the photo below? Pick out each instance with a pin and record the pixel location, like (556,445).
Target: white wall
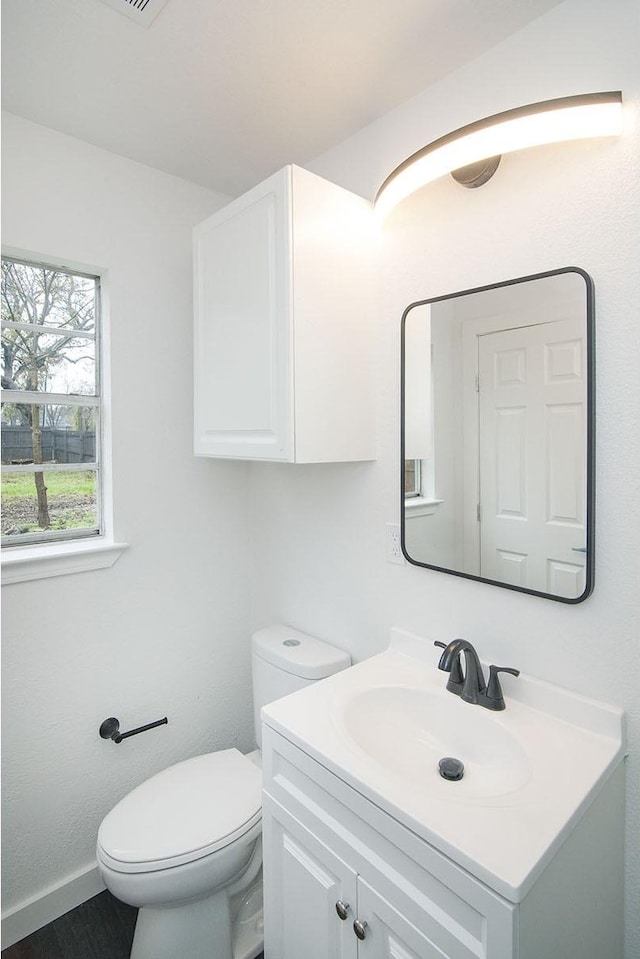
(319,531)
(165,631)
(436,537)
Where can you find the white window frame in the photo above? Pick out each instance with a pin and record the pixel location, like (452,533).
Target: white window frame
(417,479)
(423,502)
(64,555)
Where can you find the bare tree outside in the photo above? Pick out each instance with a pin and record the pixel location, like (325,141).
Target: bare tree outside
(48,347)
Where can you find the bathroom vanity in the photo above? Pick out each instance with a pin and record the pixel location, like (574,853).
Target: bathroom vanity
(368,852)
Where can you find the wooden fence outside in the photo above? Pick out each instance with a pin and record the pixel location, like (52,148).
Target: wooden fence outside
(58,446)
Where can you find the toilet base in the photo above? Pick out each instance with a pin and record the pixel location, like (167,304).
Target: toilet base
(200,930)
(247,923)
(207,929)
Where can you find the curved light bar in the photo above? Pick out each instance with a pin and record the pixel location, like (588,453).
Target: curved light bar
(550,121)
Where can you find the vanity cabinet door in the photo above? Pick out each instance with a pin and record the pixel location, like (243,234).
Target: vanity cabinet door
(303,881)
(404,932)
(282,336)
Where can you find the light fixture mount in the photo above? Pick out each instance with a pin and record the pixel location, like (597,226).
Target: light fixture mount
(476,174)
(483,141)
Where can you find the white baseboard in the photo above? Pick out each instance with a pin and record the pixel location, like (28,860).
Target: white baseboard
(34,913)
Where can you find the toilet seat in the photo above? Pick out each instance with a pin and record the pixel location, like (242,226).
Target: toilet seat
(185,812)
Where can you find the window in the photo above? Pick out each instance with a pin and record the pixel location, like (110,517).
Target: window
(419,488)
(412,478)
(51,404)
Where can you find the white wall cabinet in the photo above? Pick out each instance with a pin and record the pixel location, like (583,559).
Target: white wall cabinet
(325,842)
(284,324)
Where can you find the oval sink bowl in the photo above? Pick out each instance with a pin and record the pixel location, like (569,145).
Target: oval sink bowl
(407,730)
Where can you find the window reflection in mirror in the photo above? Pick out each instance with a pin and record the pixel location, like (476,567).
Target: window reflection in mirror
(497,425)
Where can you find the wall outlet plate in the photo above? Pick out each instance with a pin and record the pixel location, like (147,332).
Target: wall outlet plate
(393,548)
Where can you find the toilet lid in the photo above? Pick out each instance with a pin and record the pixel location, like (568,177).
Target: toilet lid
(183,813)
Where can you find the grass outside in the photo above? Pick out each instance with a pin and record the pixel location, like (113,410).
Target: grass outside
(71,497)
(73,483)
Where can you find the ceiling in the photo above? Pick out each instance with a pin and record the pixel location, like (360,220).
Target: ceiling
(225,92)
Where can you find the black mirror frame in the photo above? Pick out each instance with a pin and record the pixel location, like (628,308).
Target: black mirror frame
(590,501)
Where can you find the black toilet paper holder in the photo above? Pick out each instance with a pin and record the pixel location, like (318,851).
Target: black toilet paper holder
(110,729)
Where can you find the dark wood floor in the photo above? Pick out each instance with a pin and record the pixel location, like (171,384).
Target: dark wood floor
(101,928)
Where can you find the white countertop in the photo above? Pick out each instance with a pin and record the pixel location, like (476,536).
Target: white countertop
(567,747)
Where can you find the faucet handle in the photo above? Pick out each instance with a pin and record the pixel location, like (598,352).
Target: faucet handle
(494,690)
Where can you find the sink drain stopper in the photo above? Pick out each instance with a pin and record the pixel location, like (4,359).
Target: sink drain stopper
(450,768)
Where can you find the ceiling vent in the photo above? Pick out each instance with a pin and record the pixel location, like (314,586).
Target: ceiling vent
(142,11)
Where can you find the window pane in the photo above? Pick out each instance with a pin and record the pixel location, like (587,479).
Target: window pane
(37,296)
(47,297)
(410,478)
(45,361)
(48,434)
(53,501)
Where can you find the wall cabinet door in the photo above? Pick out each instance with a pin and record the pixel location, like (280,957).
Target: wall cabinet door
(282,337)
(242,362)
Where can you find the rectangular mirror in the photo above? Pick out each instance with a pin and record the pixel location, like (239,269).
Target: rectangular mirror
(497,434)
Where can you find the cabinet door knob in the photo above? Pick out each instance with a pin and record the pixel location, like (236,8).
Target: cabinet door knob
(359,927)
(342,908)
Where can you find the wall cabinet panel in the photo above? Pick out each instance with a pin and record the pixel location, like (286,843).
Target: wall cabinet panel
(283,324)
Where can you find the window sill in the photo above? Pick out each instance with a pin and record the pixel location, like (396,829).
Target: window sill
(421,506)
(24,563)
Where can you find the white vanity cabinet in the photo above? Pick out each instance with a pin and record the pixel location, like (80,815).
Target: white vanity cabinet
(283,324)
(326,843)
(309,883)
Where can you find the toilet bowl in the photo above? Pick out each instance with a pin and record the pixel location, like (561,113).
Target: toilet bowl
(185,846)
(180,847)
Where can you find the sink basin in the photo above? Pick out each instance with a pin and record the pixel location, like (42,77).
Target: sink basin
(408,730)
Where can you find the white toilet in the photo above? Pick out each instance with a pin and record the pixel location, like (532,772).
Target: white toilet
(185,846)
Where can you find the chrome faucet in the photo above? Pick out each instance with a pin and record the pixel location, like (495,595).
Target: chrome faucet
(470,685)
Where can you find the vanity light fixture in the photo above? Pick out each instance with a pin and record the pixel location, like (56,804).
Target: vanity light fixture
(472,153)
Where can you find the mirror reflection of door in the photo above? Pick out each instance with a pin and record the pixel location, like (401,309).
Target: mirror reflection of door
(506,489)
(531,416)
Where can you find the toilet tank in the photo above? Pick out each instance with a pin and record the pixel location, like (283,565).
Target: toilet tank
(284,660)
